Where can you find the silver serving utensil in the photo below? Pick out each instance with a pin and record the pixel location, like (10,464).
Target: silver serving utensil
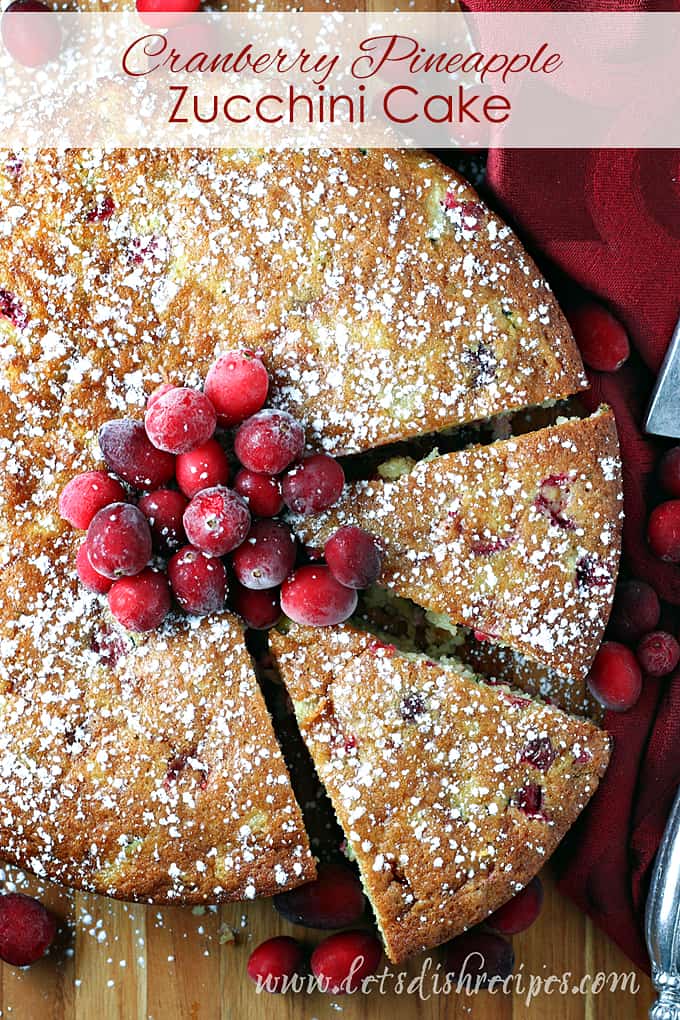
(663,415)
(662,921)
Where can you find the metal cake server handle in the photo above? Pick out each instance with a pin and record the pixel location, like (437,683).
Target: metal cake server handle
(662,921)
(663,414)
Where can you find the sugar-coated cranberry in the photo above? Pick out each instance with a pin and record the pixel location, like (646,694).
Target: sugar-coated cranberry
(180,420)
(259,609)
(267,556)
(84,495)
(601,339)
(333,900)
(27,929)
(202,468)
(636,610)
(119,540)
(615,678)
(658,653)
(269,442)
(140,603)
(262,492)
(520,912)
(478,957)
(313,597)
(313,485)
(164,510)
(353,556)
(217,520)
(275,962)
(199,582)
(342,961)
(11,308)
(540,753)
(663,531)
(159,392)
(129,452)
(669,472)
(165,13)
(31,41)
(88,576)
(237,386)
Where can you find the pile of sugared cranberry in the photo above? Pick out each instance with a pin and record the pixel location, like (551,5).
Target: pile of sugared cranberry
(163,520)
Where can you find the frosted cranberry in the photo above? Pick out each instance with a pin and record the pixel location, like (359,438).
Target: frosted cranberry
(478,957)
(529,799)
(119,540)
(262,492)
(341,961)
(84,495)
(636,610)
(333,900)
(180,420)
(198,581)
(669,471)
(658,653)
(27,929)
(159,392)
(140,603)
(269,441)
(31,41)
(552,500)
(540,753)
(237,386)
(313,597)
(615,679)
(129,452)
(314,485)
(663,531)
(217,520)
(275,962)
(520,912)
(267,556)
(101,210)
(88,576)
(411,706)
(259,609)
(601,339)
(11,308)
(202,468)
(353,556)
(164,510)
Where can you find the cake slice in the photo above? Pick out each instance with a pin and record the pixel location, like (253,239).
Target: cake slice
(452,793)
(518,541)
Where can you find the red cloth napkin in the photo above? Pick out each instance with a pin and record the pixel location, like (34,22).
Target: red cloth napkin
(607,222)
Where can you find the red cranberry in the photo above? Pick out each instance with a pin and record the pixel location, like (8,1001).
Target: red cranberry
(180,420)
(658,653)
(164,510)
(85,494)
(314,485)
(470,213)
(217,520)
(129,452)
(313,597)
(636,611)
(342,961)
(198,581)
(27,929)
(159,392)
(165,13)
(267,556)
(669,471)
(259,609)
(11,308)
(615,679)
(269,441)
(477,957)
(140,603)
(552,501)
(411,705)
(663,531)
(353,557)
(529,799)
(237,386)
(520,912)
(110,645)
(202,468)
(601,339)
(333,900)
(262,492)
(89,577)
(119,540)
(102,209)
(540,753)
(275,962)
(31,41)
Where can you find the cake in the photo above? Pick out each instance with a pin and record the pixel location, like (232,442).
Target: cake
(451,793)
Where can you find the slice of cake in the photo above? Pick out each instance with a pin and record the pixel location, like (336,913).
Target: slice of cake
(452,793)
(518,540)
